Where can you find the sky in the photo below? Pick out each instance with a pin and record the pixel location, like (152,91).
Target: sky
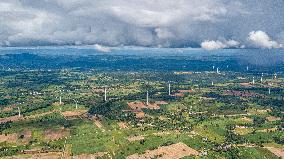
(209,24)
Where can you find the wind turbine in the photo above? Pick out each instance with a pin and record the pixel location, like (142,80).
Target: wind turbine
(253,82)
(169,89)
(76,103)
(147,98)
(19,112)
(105,94)
(60,100)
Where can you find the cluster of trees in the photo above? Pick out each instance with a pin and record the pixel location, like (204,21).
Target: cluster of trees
(112,110)
(50,120)
(4,126)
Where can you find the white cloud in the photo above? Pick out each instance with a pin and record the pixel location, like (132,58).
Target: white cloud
(261,39)
(212,45)
(101,48)
(166,23)
(215,45)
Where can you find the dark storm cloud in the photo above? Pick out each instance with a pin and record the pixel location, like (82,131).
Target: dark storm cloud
(164,23)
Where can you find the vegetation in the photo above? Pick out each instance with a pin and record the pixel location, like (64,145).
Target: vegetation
(230,119)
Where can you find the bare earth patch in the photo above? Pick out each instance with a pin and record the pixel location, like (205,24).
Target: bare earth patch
(11,118)
(76,113)
(122,125)
(6,109)
(98,124)
(272,118)
(56,134)
(12,138)
(139,105)
(90,156)
(39,115)
(135,138)
(175,151)
(9,137)
(50,155)
(277,151)
(246,119)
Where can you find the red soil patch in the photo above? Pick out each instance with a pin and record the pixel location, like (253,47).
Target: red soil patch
(182,92)
(51,135)
(69,114)
(139,114)
(178,94)
(140,105)
(277,151)
(9,137)
(24,136)
(50,155)
(11,118)
(175,151)
(161,102)
(98,90)
(122,125)
(246,84)
(185,91)
(90,156)
(242,94)
(6,109)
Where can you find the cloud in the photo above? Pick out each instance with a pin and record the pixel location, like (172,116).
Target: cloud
(101,48)
(261,39)
(166,23)
(215,45)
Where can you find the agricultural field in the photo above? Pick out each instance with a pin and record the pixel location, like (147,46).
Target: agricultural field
(154,108)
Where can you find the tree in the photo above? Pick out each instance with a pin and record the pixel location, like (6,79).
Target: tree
(258,121)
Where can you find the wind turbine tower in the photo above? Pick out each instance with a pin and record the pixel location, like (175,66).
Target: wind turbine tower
(218,70)
(60,100)
(169,89)
(19,112)
(105,96)
(147,98)
(76,103)
(269,91)
(253,82)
